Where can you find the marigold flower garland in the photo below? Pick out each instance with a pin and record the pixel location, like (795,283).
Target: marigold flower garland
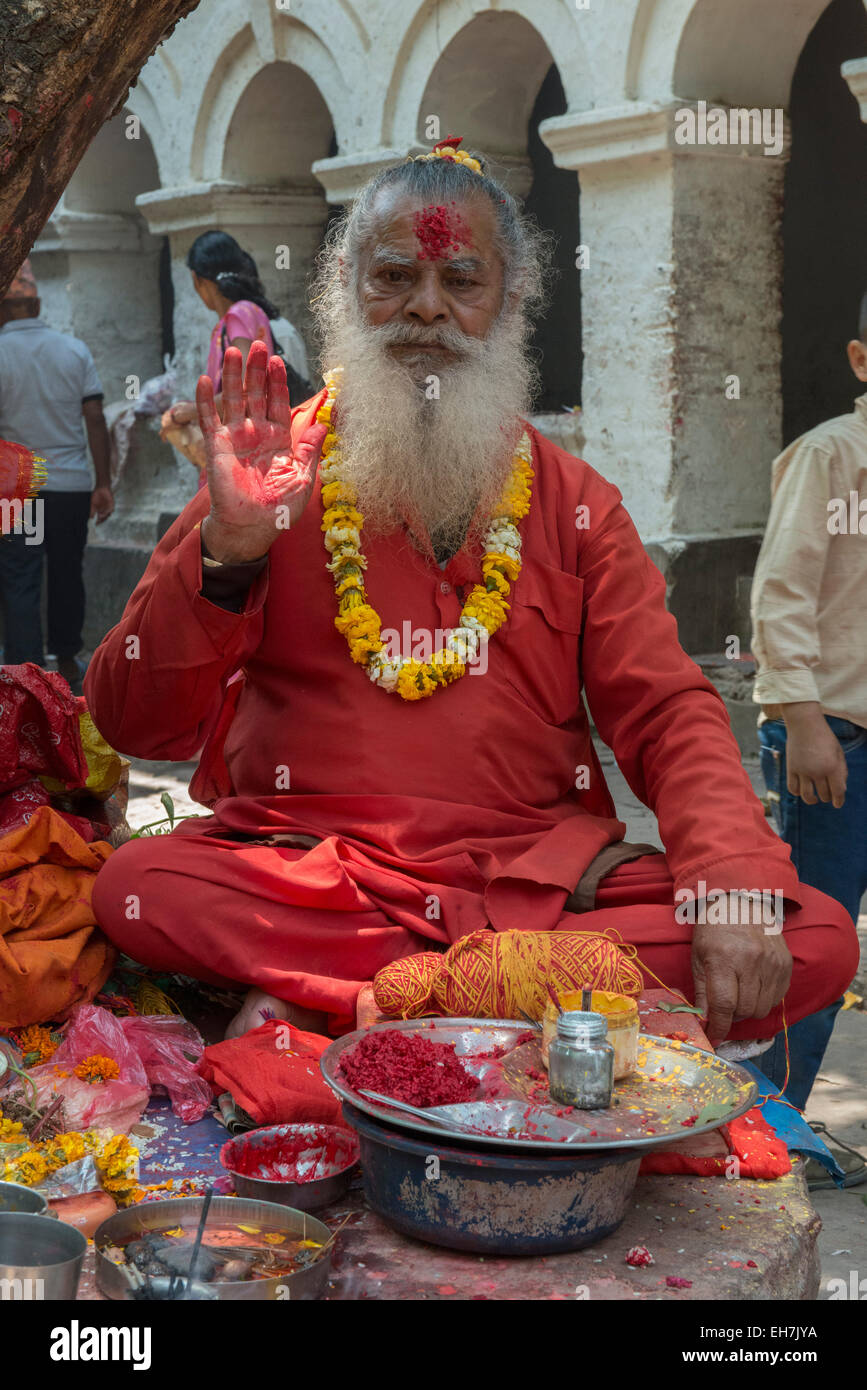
(116,1158)
(485,610)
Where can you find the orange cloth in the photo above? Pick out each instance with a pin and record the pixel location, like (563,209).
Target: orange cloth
(52,955)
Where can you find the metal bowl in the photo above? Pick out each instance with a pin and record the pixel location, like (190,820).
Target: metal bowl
(39,1259)
(489,1201)
(302,1286)
(14,1196)
(296,1146)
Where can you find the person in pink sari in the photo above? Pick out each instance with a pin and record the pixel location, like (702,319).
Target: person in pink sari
(226,279)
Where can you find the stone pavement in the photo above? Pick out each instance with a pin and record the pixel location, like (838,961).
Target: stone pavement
(838,1100)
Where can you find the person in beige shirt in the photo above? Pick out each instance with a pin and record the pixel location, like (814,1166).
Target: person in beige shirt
(809,614)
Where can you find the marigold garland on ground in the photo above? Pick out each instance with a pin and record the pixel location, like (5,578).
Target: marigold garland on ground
(485,610)
(116,1158)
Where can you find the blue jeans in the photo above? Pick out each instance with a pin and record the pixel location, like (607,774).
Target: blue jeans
(829,851)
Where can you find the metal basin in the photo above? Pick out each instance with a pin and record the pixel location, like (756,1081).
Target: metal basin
(14,1196)
(39,1259)
(325,1150)
(489,1201)
(304,1285)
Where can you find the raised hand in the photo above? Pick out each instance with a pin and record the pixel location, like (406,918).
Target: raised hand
(258,485)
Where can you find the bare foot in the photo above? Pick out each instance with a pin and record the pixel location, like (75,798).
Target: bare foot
(258,1007)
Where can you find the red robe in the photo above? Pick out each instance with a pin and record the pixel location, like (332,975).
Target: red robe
(438,816)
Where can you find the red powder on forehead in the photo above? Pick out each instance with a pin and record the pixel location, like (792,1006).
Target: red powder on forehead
(440,230)
(408,1067)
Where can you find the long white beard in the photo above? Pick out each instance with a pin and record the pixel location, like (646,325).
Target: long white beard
(434,459)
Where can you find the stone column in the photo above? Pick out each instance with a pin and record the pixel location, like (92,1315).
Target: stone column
(681,314)
(98,277)
(855,75)
(261,219)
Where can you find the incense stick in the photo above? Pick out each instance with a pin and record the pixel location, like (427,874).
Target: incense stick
(553,993)
(197,1244)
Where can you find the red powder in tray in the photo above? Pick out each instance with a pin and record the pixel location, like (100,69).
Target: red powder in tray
(408,1067)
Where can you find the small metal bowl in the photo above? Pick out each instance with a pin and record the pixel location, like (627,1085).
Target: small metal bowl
(14,1196)
(302,1286)
(298,1147)
(39,1259)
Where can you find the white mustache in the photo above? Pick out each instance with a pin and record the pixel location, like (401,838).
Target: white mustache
(415,335)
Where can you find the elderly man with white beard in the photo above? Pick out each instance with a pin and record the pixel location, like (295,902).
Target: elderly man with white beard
(377,623)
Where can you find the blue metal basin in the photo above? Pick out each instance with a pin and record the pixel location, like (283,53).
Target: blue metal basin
(488,1201)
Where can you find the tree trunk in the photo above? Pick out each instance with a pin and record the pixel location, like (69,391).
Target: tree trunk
(65,67)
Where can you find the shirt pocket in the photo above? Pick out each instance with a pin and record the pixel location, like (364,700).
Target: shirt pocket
(541,646)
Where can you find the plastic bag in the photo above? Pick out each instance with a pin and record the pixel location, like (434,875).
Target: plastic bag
(149,1052)
(169,1048)
(116,1104)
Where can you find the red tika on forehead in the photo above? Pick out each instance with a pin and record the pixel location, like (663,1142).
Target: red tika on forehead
(440,230)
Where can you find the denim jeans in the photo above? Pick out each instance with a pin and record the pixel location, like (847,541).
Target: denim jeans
(829,851)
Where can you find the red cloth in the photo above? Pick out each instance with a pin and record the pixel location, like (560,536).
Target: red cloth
(751,1140)
(39,736)
(275,1084)
(440,816)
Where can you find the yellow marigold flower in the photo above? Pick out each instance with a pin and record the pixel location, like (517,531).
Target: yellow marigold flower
(341,515)
(448,665)
(360,648)
(414,682)
(349,602)
(73,1145)
(37,1038)
(334,493)
(323,414)
(11,1131)
(506,564)
(117,1157)
(489,609)
(29,1168)
(352,580)
(495,581)
(97,1068)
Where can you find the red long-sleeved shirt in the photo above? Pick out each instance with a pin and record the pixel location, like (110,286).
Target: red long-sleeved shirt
(471,794)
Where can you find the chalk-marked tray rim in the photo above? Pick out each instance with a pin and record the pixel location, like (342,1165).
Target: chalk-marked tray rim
(725,1084)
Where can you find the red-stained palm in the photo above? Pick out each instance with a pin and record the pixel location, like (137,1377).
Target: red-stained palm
(258,484)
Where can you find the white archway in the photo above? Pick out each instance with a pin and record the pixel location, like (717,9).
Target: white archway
(741,51)
(437,23)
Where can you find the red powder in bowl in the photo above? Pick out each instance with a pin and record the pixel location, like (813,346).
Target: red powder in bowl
(408,1067)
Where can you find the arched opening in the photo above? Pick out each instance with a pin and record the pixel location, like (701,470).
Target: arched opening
(553,200)
(118,164)
(493,84)
(279,127)
(99,265)
(824,224)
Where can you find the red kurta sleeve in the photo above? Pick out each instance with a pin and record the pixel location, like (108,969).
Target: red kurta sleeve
(665,723)
(155,684)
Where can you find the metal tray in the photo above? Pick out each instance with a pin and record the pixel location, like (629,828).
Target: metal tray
(674,1083)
